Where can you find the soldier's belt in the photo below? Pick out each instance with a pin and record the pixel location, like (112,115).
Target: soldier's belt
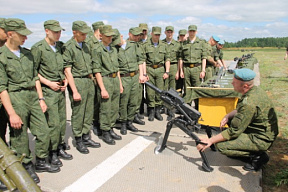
(173,63)
(192,65)
(90,76)
(130,74)
(156,66)
(113,75)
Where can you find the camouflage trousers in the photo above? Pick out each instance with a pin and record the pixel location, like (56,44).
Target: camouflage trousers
(171,81)
(55,115)
(242,146)
(192,79)
(82,111)
(26,105)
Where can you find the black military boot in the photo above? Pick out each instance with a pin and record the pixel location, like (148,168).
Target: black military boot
(151,114)
(123,129)
(138,121)
(96,129)
(114,135)
(2,186)
(62,154)
(66,146)
(131,127)
(89,142)
(106,137)
(257,161)
(140,115)
(170,115)
(80,146)
(43,165)
(157,113)
(54,160)
(30,169)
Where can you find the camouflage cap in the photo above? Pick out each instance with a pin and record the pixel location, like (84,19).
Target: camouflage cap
(116,37)
(17,25)
(182,32)
(169,28)
(244,74)
(97,25)
(53,25)
(221,42)
(156,30)
(80,26)
(192,28)
(216,38)
(143,26)
(107,30)
(2,24)
(135,30)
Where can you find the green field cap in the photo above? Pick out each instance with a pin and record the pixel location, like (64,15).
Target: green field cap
(116,37)
(2,24)
(80,26)
(192,28)
(244,74)
(143,26)
(17,25)
(182,32)
(53,25)
(107,30)
(135,30)
(169,28)
(97,25)
(156,30)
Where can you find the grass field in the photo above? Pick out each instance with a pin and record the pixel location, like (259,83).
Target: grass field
(274,80)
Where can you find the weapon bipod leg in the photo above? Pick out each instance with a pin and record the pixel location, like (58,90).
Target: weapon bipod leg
(181,123)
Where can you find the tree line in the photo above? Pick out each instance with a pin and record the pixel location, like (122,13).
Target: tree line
(260,42)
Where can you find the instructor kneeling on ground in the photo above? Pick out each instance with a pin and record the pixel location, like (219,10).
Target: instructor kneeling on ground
(252,125)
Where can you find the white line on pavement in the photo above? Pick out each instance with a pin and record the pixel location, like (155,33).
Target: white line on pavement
(95,178)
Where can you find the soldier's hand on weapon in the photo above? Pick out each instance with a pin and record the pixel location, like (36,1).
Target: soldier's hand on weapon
(64,85)
(77,96)
(104,94)
(202,147)
(15,121)
(142,79)
(55,86)
(43,106)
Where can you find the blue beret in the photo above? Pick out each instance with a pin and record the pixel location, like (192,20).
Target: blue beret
(221,42)
(216,38)
(244,74)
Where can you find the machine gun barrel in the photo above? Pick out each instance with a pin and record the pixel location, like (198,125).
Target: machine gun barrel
(13,174)
(156,89)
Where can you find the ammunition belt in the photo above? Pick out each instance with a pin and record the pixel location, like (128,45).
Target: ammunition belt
(113,75)
(156,66)
(192,65)
(129,74)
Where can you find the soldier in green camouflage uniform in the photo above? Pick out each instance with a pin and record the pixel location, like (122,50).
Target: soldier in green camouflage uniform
(192,62)
(213,61)
(93,42)
(78,71)
(48,59)
(130,60)
(174,48)
(253,124)
(106,69)
(157,55)
(219,51)
(3,116)
(23,100)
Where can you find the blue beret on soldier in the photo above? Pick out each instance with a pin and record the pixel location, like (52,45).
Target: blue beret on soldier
(216,38)
(244,74)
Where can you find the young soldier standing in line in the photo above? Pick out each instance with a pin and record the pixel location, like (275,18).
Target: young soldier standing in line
(106,70)
(173,47)
(23,100)
(78,71)
(130,60)
(49,62)
(157,55)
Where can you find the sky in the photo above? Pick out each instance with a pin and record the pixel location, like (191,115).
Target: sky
(231,20)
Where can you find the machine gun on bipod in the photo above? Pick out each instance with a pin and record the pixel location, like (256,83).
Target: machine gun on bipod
(13,174)
(187,121)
